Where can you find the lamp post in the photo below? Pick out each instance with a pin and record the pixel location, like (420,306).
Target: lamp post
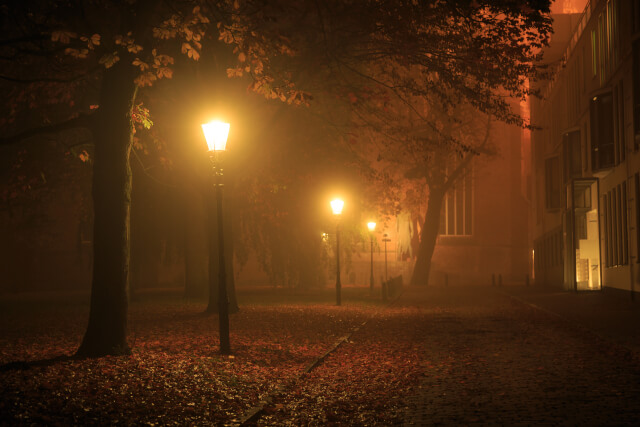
(216,134)
(385,239)
(372,226)
(336,206)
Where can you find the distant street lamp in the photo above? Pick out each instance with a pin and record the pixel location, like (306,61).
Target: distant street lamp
(372,226)
(385,239)
(336,206)
(216,134)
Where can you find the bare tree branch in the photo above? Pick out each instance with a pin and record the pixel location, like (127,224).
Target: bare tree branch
(81,121)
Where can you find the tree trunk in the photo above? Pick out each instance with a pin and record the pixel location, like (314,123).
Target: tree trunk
(106,332)
(428,237)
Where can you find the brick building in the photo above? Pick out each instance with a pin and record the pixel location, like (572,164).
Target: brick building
(586,157)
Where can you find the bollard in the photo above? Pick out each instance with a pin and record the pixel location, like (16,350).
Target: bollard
(500,280)
(526,279)
(493,279)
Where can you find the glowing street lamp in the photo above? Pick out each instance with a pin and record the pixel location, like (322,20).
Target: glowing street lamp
(216,134)
(372,226)
(336,206)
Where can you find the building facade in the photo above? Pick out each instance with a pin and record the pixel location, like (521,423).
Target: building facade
(586,154)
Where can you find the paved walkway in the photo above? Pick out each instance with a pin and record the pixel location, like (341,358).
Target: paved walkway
(524,356)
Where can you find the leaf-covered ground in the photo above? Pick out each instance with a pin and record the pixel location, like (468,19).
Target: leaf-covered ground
(176,376)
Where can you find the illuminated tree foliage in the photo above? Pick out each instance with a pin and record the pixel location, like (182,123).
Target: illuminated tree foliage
(417,163)
(395,76)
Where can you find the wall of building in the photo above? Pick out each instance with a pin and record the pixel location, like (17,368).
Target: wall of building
(498,245)
(592,93)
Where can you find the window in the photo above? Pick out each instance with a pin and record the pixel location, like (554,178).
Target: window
(618,123)
(548,251)
(457,208)
(624,241)
(637,200)
(553,183)
(615,229)
(615,226)
(635,16)
(602,47)
(585,150)
(594,53)
(572,155)
(610,29)
(615,13)
(636,93)
(607,234)
(601,120)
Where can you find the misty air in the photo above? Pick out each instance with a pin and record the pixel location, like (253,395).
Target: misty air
(320,212)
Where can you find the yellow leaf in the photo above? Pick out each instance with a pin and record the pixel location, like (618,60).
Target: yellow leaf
(145,79)
(142,65)
(193,54)
(62,36)
(76,53)
(242,57)
(109,59)
(165,72)
(134,48)
(234,72)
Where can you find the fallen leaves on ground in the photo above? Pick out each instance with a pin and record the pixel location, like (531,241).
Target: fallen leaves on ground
(176,375)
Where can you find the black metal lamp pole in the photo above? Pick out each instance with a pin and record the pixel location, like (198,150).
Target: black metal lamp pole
(338,284)
(371,275)
(223,299)
(385,240)
(336,206)
(372,226)
(385,285)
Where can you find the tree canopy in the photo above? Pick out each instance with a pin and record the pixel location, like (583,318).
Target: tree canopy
(358,64)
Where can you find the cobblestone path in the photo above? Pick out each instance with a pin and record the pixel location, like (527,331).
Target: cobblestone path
(491,359)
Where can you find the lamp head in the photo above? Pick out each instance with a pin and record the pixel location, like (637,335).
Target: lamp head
(371,225)
(216,133)
(336,206)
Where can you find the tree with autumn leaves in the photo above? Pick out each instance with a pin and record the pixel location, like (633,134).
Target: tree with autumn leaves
(96,57)
(84,64)
(407,81)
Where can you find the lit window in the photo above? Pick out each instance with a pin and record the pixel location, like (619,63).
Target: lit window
(456,218)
